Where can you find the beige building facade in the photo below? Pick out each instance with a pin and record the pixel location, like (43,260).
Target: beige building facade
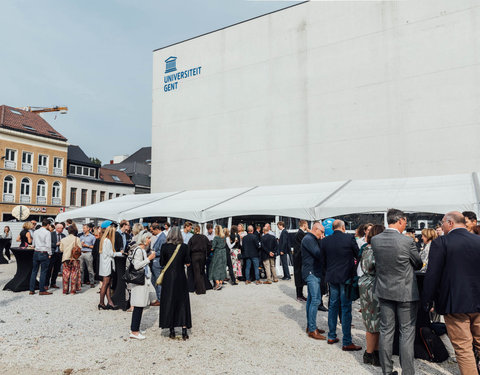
(32,165)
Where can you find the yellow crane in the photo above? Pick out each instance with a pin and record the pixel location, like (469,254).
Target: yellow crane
(62,110)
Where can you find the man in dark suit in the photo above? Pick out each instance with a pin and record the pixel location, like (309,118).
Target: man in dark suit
(338,252)
(56,259)
(396,258)
(269,253)
(297,259)
(250,246)
(453,283)
(284,249)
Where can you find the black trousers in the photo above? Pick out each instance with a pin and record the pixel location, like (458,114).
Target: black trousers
(136,319)
(198,268)
(53,269)
(297,273)
(6,245)
(284,259)
(229,265)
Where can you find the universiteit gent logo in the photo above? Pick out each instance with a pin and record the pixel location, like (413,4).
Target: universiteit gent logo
(170,64)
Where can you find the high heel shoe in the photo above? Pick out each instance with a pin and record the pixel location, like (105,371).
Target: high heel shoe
(184,334)
(102,307)
(172,333)
(112,307)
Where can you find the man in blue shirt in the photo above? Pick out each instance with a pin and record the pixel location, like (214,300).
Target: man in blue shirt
(87,239)
(311,273)
(160,239)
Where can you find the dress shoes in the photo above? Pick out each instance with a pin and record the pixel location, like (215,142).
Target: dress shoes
(258,282)
(54,287)
(45,293)
(334,341)
(156,303)
(267,282)
(31,293)
(248,282)
(322,308)
(316,335)
(319,330)
(275,281)
(351,348)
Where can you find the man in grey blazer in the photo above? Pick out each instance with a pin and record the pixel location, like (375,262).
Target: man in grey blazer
(396,258)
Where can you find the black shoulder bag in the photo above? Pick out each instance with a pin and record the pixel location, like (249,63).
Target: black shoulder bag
(132,275)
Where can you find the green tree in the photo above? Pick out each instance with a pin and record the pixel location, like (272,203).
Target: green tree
(95,161)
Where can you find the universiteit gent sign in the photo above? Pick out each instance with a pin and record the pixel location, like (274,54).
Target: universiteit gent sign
(171,80)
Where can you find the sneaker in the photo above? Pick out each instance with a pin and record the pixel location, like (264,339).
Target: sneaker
(141,332)
(138,337)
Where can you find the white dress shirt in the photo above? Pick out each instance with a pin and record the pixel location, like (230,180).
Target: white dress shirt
(42,240)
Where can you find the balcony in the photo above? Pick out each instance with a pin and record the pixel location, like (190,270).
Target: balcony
(41,200)
(42,169)
(8,197)
(27,167)
(25,199)
(58,171)
(10,164)
(56,201)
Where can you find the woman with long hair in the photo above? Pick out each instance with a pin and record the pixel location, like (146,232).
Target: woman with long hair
(218,265)
(233,243)
(368,302)
(98,233)
(174,300)
(71,266)
(198,246)
(6,237)
(107,253)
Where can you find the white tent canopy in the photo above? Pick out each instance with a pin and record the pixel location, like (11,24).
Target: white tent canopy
(437,194)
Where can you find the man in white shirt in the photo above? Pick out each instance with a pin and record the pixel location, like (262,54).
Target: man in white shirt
(187,232)
(42,239)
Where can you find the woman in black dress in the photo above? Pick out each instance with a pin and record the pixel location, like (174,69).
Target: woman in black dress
(198,246)
(25,238)
(174,300)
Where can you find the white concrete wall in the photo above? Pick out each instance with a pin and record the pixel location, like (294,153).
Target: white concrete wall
(89,186)
(323,91)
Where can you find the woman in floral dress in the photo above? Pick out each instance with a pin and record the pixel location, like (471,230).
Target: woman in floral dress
(368,302)
(233,243)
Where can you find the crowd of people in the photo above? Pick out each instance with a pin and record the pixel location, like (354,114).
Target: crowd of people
(404,282)
(405,285)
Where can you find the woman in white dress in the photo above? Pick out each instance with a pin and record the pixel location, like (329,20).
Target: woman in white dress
(140,294)
(107,253)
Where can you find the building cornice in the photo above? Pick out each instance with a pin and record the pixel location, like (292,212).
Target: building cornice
(34,137)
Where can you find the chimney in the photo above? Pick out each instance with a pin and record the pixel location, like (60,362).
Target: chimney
(111,161)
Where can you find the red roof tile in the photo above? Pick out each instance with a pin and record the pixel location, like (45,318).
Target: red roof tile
(108,175)
(27,122)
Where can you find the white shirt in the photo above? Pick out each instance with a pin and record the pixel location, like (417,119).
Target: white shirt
(42,240)
(106,258)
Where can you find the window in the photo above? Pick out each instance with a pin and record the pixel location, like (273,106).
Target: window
(83,201)
(43,164)
(28,127)
(92,172)
(110,195)
(73,196)
(82,171)
(115,178)
(94,197)
(27,158)
(117,195)
(56,193)
(58,166)
(10,158)
(8,189)
(25,189)
(41,192)
(16,112)
(102,196)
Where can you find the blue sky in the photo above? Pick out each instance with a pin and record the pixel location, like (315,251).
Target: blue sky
(96,58)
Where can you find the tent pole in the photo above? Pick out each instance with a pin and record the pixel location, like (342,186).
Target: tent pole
(229,225)
(385,223)
(476,188)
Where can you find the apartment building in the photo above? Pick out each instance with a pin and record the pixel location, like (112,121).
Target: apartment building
(33,157)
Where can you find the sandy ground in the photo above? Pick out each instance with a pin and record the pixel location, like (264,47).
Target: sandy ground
(245,329)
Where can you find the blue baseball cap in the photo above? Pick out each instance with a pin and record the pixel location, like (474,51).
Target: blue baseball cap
(106,224)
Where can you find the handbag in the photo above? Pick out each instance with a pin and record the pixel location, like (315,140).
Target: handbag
(132,275)
(76,251)
(351,288)
(160,278)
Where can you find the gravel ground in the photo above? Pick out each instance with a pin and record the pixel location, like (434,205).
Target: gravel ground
(245,329)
